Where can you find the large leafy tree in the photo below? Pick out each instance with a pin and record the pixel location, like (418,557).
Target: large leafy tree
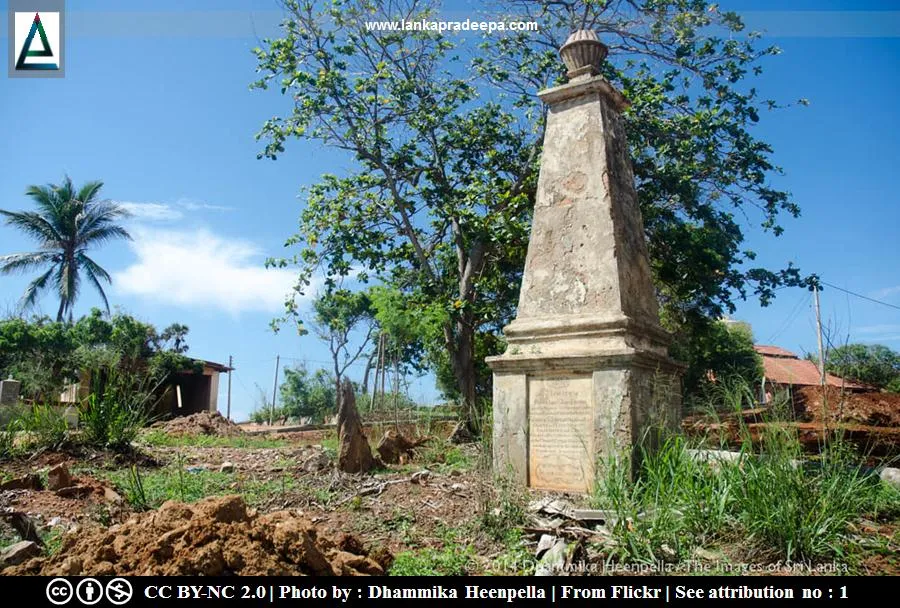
(308,394)
(46,355)
(67,223)
(873,364)
(438,202)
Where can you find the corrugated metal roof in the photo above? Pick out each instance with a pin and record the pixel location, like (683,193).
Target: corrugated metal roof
(773,351)
(784,367)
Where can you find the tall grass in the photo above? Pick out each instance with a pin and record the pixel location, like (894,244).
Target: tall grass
(45,426)
(117,409)
(766,498)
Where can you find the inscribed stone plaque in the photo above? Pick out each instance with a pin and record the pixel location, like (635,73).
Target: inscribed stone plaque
(560,433)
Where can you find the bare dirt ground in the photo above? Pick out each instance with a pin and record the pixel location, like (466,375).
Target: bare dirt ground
(834,405)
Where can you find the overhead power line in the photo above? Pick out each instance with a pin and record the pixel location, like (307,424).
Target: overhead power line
(859,295)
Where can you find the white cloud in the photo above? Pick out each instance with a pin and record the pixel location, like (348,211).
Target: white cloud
(199,269)
(164,212)
(192,205)
(154,212)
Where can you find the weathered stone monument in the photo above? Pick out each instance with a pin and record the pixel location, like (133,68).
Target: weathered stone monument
(9,392)
(586,374)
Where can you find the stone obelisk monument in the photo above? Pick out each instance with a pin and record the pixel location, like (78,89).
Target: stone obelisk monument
(586,375)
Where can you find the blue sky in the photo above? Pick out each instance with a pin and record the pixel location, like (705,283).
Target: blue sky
(159,109)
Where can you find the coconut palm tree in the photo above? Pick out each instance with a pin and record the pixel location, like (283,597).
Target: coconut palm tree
(67,222)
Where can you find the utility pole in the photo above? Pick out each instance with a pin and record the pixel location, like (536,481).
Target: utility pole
(228,411)
(819,335)
(274,389)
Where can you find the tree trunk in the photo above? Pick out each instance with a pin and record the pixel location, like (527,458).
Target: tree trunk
(461,347)
(62,308)
(369,365)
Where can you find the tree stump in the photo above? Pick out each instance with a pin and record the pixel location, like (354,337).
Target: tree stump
(354,453)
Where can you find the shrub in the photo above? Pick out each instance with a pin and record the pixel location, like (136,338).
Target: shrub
(7,439)
(110,423)
(46,427)
(117,408)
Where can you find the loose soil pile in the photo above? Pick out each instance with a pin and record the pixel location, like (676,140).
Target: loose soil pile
(202,423)
(872,409)
(215,536)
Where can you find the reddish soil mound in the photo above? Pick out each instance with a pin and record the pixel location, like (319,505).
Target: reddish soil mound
(872,409)
(202,423)
(212,537)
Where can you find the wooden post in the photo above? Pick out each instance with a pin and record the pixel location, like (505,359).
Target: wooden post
(819,336)
(228,411)
(274,389)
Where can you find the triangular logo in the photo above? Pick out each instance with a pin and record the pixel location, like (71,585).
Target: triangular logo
(36,28)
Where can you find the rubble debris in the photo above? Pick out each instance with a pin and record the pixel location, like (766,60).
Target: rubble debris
(553,562)
(890,476)
(112,496)
(75,491)
(19,552)
(420,477)
(461,433)
(226,467)
(869,408)
(31,481)
(395,448)
(23,525)
(354,452)
(317,462)
(215,536)
(59,478)
(201,423)
(544,544)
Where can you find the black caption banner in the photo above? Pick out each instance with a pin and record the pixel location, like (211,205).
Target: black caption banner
(476,591)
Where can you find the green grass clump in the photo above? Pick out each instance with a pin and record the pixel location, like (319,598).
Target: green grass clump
(45,427)
(111,423)
(148,489)
(443,456)
(452,560)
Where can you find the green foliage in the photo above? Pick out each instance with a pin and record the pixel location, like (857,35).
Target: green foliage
(134,490)
(8,439)
(46,355)
(443,456)
(68,221)
(116,410)
(149,489)
(338,313)
(45,427)
(503,506)
(452,560)
(802,514)
(873,364)
(305,394)
(722,349)
(440,188)
(39,354)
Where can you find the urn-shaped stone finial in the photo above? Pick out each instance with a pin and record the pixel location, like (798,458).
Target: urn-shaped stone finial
(583,53)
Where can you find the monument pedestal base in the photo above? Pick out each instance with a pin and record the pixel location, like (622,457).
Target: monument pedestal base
(556,418)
